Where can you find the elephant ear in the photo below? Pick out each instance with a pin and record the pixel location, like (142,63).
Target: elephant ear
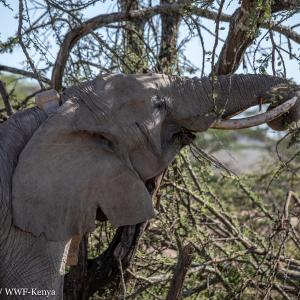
(63,176)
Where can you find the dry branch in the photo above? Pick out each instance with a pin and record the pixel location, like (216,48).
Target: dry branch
(279,5)
(242,31)
(23,73)
(87,27)
(94,23)
(20,38)
(5,98)
(183,264)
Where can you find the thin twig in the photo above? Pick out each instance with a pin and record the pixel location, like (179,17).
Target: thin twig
(21,8)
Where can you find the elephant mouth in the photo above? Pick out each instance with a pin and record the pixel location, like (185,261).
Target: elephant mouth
(184,137)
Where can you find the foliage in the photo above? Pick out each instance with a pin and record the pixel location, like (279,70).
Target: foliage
(20,93)
(244,246)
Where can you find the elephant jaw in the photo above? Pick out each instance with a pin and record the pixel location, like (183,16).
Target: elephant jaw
(268,116)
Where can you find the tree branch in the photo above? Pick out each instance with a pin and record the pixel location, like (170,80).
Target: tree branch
(29,60)
(167,57)
(280,5)
(133,37)
(243,28)
(286,31)
(5,98)
(94,23)
(93,275)
(73,36)
(242,31)
(23,73)
(183,264)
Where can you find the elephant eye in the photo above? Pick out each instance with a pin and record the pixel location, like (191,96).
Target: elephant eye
(159,102)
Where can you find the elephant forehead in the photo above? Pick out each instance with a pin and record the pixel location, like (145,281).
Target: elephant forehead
(133,91)
(132,81)
(115,99)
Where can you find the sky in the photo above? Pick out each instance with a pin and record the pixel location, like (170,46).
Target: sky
(8,27)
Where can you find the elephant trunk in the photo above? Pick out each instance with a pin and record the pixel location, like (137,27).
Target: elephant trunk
(271,117)
(206,101)
(235,93)
(251,90)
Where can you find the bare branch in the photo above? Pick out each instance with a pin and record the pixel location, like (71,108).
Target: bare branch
(94,23)
(23,73)
(287,31)
(183,264)
(21,8)
(99,21)
(242,31)
(5,98)
(284,5)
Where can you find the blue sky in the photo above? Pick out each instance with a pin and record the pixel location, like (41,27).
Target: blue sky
(8,25)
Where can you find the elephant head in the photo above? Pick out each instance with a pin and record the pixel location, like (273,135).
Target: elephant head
(114,133)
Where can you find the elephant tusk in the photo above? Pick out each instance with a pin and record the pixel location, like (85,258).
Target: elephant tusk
(255,120)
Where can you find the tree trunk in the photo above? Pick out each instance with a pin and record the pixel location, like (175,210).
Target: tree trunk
(167,59)
(133,60)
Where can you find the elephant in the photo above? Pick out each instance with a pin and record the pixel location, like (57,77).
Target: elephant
(96,151)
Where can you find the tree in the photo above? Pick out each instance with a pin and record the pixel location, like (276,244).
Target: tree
(140,36)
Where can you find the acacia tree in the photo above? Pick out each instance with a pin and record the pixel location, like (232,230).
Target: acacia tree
(145,36)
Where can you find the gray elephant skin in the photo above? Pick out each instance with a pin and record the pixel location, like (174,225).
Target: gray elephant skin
(97,150)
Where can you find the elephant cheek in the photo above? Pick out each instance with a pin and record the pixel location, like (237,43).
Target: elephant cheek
(198,123)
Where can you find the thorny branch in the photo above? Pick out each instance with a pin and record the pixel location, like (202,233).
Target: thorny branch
(20,37)
(23,73)
(237,21)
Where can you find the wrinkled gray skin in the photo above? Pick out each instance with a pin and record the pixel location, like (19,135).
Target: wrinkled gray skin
(109,137)
(26,261)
